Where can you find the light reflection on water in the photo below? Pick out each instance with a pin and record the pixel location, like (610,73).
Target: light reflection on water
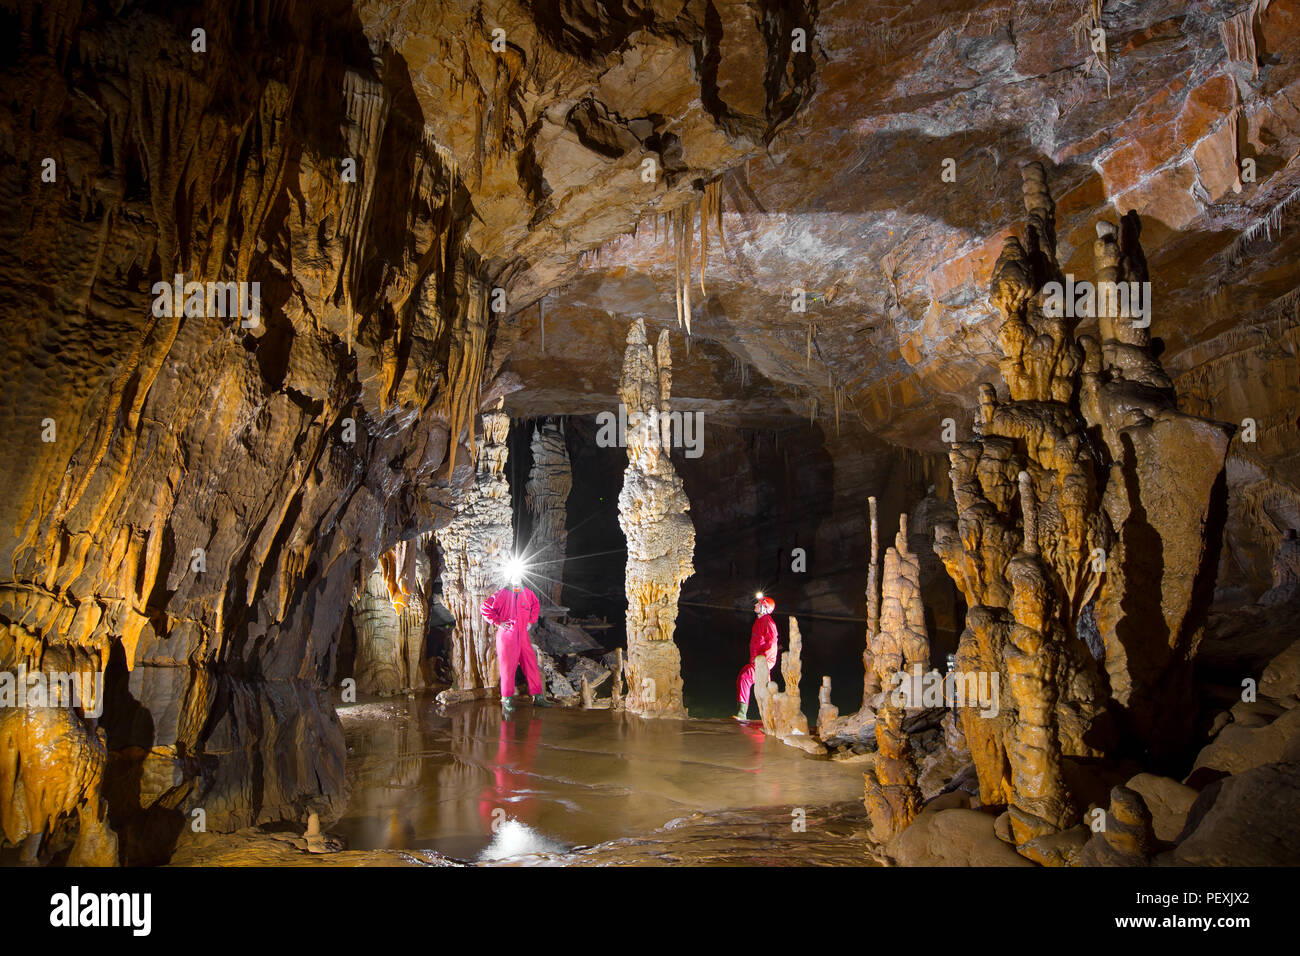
(475,787)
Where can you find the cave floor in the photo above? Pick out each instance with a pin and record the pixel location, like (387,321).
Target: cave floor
(573,787)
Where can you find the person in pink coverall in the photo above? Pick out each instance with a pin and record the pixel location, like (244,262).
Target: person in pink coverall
(762,640)
(512,610)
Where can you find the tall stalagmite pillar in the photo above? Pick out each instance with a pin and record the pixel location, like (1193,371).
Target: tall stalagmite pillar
(473,545)
(549,484)
(660,536)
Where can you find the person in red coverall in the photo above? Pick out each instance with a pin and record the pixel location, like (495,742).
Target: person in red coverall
(762,640)
(512,610)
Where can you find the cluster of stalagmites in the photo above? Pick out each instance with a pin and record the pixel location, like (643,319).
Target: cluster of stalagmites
(896,662)
(652,510)
(1084,503)
(475,547)
(782,710)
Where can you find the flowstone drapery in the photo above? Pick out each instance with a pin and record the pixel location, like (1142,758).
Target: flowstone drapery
(474,544)
(660,536)
(389,614)
(549,482)
(1052,498)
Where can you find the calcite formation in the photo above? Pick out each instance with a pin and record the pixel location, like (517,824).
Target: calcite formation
(897,651)
(51,767)
(389,614)
(475,545)
(871,677)
(782,709)
(549,482)
(892,798)
(660,536)
(900,643)
(1048,493)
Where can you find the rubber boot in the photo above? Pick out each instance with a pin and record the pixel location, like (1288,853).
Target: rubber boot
(539,700)
(743,712)
(507,708)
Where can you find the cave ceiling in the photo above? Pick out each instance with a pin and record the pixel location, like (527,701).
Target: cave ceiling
(844,198)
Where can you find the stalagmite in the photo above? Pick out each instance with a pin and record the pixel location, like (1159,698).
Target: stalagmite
(901,644)
(1034,545)
(898,643)
(474,545)
(826,711)
(660,536)
(549,483)
(782,710)
(891,796)
(1163,495)
(51,766)
(870,684)
(378,665)
(616,682)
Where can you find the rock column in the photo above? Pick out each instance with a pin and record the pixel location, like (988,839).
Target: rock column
(660,536)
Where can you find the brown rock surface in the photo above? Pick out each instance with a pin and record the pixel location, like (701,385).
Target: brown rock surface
(952,838)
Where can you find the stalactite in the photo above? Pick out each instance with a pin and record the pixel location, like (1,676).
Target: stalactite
(1267,226)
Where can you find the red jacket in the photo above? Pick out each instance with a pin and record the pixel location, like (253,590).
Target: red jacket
(509,609)
(762,639)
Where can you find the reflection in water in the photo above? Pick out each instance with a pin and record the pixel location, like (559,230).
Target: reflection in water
(471,786)
(507,798)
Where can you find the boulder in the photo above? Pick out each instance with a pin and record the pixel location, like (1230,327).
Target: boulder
(952,838)
(1249,819)
(1168,802)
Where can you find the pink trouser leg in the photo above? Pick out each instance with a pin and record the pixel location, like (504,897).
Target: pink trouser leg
(745,683)
(528,659)
(508,659)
